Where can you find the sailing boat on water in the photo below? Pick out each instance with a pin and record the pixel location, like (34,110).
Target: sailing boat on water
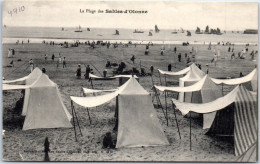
(198,31)
(188,33)
(182,31)
(138,31)
(156,29)
(117,32)
(174,32)
(78,29)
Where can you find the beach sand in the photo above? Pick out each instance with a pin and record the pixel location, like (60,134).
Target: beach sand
(21,145)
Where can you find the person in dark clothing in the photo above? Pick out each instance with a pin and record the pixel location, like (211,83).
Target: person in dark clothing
(175,49)
(186,55)
(229,49)
(78,72)
(52,57)
(179,57)
(169,67)
(108,142)
(46,149)
(87,72)
(133,59)
(241,74)
(151,69)
(64,62)
(43,70)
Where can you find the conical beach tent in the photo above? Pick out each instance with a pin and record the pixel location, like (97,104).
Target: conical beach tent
(202,91)
(236,116)
(194,75)
(138,124)
(27,80)
(45,108)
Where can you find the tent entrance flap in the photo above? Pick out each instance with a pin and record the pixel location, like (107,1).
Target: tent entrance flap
(138,124)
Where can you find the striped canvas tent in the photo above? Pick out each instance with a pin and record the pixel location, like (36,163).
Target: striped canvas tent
(236,116)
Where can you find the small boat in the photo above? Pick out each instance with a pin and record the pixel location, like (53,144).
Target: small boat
(156,29)
(138,31)
(78,29)
(117,32)
(174,32)
(182,31)
(198,31)
(188,33)
(250,31)
(150,34)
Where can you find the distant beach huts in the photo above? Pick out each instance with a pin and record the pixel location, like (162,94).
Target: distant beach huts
(250,31)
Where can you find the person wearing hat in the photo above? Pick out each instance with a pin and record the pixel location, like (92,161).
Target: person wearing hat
(78,72)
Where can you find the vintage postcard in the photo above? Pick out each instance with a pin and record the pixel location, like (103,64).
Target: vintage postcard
(147,81)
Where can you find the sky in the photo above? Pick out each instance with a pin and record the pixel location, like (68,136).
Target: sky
(166,14)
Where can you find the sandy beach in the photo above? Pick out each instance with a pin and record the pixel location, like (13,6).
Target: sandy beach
(21,145)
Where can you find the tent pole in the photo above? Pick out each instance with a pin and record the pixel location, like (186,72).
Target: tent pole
(73,120)
(160,104)
(77,121)
(222,89)
(160,77)
(165,80)
(166,107)
(156,96)
(89,116)
(176,119)
(190,130)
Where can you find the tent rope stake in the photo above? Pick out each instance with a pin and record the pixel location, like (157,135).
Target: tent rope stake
(77,120)
(160,77)
(176,119)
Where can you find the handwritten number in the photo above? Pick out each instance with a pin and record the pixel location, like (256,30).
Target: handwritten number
(22,8)
(10,12)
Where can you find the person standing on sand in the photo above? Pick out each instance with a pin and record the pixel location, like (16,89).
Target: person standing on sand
(229,49)
(52,57)
(133,59)
(31,64)
(175,49)
(179,57)
(162,52)
(169,67)
(64,62)
(151,69)
(45,57)
(215,59)
(78,72)
(87,72)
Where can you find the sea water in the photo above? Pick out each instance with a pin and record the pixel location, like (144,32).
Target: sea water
(38,34)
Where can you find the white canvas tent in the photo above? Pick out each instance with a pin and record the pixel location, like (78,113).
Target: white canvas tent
(251,78)
(193,76)
(236,116)
(181,72)
(203,91)
(27,80)
(45,108)
(138,124)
